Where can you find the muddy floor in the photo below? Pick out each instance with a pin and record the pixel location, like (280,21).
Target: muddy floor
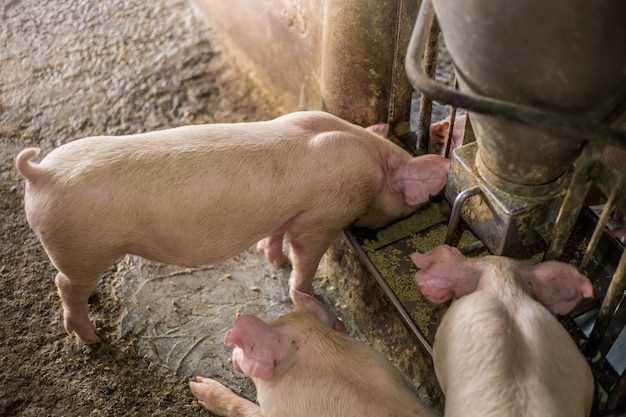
(76,68)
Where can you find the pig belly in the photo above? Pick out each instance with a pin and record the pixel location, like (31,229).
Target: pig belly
(185,242)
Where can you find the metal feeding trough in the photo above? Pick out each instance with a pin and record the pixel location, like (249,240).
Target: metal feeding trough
(546,100)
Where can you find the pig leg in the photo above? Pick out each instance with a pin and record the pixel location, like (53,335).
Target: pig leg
(218,399)
(76,282)
(307,250)
(74,295)
(272,247)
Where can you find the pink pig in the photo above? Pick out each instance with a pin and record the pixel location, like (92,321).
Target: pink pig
(303,368)
(439,133)
(200,194)
(497,351)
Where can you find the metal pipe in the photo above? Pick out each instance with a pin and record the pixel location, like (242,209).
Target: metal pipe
(450,135)
(406,317)
(613,296)
(452,237)
(576,127)
(597,232)
(429,65)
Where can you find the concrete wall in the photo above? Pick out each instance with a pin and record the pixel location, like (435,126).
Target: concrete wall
(278,42)
(345,56)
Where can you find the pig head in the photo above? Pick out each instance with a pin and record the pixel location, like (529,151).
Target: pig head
(404,183)
(445,274)
(303,368)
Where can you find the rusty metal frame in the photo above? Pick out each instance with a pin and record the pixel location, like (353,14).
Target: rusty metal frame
(593,128)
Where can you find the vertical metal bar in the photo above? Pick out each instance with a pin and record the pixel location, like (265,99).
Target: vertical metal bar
(452,116)
(613,296)
(429,64)
(450,138)
(617,397)
(597,233)
(616,325)
(572,204)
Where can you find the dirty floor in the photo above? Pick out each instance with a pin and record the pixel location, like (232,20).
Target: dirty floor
(76,68)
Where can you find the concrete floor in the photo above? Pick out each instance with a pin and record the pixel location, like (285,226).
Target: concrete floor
(71,69)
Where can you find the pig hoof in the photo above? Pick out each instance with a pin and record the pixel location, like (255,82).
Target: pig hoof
(273,252)
(209,393)
(82,328)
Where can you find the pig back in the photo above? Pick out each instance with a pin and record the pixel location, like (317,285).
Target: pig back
(509,359)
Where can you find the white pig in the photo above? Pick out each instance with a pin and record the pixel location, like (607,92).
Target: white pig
(303,368)
(200,194)
(497,351)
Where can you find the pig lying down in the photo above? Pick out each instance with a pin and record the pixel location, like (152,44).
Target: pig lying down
(200,194)
(498,351)
(303,368)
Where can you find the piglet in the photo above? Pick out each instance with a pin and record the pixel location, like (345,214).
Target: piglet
(303,368)
(498,350)
(200,194)
(439,133)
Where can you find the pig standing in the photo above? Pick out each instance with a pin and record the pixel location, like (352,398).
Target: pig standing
(200,194)
(497,351)
(303,368)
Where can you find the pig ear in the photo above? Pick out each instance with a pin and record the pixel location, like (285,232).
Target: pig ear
(444,274)
(256,347)
(380,129)
(308,303)
(559,286)
(252,366)
(442,253)
(420,178)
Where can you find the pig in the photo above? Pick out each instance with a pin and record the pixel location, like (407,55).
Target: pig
(200,194)
(439,133)
(301,367)
(499,351)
